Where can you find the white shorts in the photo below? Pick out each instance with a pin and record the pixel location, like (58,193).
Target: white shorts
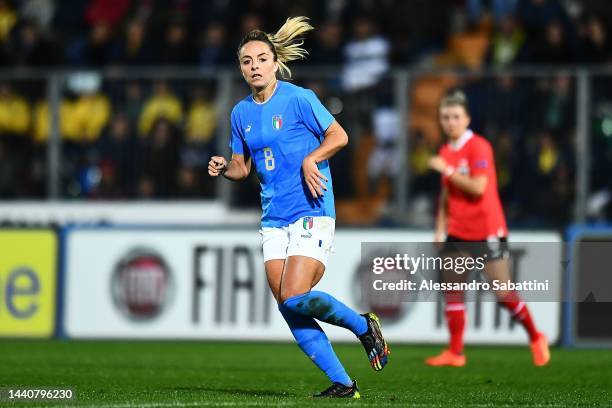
(308,236)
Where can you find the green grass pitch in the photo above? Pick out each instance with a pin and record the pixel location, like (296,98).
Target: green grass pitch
(121,374)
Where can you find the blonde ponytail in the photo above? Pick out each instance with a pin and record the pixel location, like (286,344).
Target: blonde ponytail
(287,46)
(285,43)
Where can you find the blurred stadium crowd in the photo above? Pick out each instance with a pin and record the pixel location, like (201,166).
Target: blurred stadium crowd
(130,138)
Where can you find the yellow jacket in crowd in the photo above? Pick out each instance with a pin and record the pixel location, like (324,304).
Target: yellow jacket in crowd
(201,122)
(14,115)
(160,106)
(82,120)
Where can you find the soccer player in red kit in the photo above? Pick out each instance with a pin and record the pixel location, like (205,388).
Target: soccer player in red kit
(470,214)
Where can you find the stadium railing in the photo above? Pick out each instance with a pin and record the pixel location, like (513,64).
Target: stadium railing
(545,114)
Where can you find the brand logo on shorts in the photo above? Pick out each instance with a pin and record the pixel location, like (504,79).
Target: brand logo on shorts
(306,235)
(308,222)
(277,122)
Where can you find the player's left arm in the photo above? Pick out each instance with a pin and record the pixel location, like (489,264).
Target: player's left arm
(335,138)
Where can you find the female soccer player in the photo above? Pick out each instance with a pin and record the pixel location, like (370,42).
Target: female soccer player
(290,136)
(471,219)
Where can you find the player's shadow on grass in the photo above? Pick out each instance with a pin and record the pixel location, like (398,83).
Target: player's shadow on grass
(238,392)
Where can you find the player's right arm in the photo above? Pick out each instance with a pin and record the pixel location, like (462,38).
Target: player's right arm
(239,166)
(441,219)
(237,169)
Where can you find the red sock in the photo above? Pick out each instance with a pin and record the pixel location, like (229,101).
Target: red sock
(455,318)
(519,311)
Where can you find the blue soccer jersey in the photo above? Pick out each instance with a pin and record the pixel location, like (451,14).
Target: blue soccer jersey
(278,134)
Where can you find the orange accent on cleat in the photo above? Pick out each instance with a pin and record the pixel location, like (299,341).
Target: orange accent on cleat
(539,350)
(446,358)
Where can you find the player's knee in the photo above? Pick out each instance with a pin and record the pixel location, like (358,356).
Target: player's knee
(289,293)
(293,287)
(276,296)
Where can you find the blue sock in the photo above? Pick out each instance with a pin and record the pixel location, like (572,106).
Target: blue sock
(326,308)
(311,338)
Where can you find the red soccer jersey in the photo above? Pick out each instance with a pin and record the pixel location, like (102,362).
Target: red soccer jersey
(469,217)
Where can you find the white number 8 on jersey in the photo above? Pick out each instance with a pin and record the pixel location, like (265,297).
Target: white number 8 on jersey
(269,158)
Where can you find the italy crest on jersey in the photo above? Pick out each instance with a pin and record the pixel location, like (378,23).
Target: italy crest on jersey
(277,122)
(308,222)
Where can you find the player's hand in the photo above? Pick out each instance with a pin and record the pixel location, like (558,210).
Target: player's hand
(437,163)
(313,177)
(216,166)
